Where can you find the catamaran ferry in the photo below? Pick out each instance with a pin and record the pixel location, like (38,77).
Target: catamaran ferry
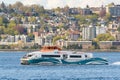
(53,55)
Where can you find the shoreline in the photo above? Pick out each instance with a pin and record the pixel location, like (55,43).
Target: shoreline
(82,50)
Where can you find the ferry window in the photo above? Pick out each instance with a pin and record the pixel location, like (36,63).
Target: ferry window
(29,55)
(65,56)
(85,55)
(50,55)
(24,56)
(75,56)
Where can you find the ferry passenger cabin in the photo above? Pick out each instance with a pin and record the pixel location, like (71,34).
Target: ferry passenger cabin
(65,55)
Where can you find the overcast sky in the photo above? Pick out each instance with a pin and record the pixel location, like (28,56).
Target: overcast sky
(61,3)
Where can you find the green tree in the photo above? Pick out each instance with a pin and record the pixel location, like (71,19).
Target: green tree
(118,29)
(10,29)
(32,19)
(17,5)
(11,24)
(2,28)
(57,38)
(0,37)
(1,21)
(105,37)
(95,43)
(31,36)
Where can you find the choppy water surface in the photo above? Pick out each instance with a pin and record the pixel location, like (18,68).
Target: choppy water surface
(11,69)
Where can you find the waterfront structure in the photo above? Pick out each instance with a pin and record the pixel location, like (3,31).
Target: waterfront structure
(105,44)
(84,44)
(109,44)
(89,33)
(116,44)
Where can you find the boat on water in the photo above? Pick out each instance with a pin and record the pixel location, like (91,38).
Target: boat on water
(53,55)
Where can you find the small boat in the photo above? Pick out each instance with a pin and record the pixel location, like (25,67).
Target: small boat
(53,55)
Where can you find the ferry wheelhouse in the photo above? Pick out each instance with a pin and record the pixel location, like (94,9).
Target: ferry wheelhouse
(54,56)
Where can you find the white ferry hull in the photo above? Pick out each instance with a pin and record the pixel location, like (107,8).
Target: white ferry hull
(53,61)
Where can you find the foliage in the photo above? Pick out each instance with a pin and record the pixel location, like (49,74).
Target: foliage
(108,17)
(1,21)
(2,28)
(5,20)
(35,46)
(11,24)
(113,47)
(5,47)
(118,29)
(105,37)
(95,43)
(86,19)
(57,38)
(32,19)
(60,26)
(31,36)
(0,37)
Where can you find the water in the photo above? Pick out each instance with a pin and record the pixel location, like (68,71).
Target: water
(11,69)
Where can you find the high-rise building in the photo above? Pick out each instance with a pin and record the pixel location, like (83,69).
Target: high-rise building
(114,11)
(101,29)
(89,33)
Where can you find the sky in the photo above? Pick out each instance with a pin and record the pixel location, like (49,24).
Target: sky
(48,4)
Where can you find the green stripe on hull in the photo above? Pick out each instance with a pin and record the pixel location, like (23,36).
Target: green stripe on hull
(62,61)
(39,60)
(88,61)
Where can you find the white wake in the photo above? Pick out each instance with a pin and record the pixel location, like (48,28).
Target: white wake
(116,63)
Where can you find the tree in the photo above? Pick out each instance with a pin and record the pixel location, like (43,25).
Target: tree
(11,24)
(5,20)
(60,26)
(18,5)
(0,37)
(57,38)
(105,37)
(3,6)
(118,29)
(2,29)
(37,8)
(1,21)
(95,43)
(31,36)
(107,17)
(32,19)
(86,19)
